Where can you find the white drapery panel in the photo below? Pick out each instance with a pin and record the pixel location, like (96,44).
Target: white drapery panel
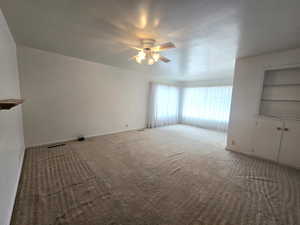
(207,107)
(163,105)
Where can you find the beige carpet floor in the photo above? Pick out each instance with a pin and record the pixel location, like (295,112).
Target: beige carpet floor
(176,175)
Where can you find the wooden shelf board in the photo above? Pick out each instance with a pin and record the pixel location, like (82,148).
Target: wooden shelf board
(279,117)
(281,85)
(7,104)
(279,100)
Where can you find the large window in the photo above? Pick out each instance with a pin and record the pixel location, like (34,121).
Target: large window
(164,105)
(207,107)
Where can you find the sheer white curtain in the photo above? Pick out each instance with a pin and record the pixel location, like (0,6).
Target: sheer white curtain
(163,105)
(207,107)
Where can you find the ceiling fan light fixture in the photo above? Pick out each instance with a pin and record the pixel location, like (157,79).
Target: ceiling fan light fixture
(138,60)
(155,56)
(150,61)
(140,57)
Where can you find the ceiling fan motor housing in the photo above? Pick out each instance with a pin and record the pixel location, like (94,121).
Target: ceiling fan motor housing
(147,44)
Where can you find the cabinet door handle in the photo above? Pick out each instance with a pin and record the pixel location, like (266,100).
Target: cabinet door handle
(286,129)
(278,128)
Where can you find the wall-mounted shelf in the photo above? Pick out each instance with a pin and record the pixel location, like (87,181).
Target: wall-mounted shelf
(9,103)
(281,85)
(279,100)
(280,96)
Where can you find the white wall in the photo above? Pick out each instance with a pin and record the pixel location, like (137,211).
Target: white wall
(247,87)
(66,97)
(11,130)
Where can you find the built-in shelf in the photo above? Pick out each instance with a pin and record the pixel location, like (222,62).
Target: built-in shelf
(279,117)
(279,100)
(280,96)
(7,104)
(281,85)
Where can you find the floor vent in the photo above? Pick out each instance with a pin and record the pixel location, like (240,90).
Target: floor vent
(57,145)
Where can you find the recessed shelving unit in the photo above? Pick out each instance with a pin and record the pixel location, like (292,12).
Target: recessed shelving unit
(280,85)
(279,100)
(281,93)
(7,104)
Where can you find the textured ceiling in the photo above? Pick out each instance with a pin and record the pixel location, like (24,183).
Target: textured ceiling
(209,34)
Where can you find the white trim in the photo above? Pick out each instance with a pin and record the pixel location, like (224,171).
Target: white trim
(230,149)
(281,67)
(260,158)
(75,138)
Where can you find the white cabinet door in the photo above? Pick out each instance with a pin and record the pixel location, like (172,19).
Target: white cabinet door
(267,137)
(290,145)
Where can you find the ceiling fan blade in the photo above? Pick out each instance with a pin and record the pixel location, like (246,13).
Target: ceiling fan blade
(132,58)
(137,48)
(164,46)
(164,59)
(136,58)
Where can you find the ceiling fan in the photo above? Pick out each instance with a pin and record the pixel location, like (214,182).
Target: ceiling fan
(149,53)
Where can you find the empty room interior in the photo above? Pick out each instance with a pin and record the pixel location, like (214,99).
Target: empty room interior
(148,112)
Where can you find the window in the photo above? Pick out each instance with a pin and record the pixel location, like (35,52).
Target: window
(164,105)
(208,107)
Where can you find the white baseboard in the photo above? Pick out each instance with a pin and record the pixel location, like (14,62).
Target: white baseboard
(257,157)
(240,152)
(86,136)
